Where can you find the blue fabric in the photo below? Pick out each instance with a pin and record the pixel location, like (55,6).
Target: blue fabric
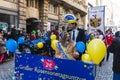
(61,34)
(116,76)
(62,51)
(38,40)
(33,67)
(87,37)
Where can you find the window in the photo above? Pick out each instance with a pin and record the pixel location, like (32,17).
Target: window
(27,2)
(9,19)
(65,11)
(53,8)
(32,3)
(36,3)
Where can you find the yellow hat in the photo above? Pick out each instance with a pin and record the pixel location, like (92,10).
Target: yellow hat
(70,18)
(71,21)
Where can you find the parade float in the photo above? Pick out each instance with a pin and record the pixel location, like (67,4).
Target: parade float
(37,67)
(48,59)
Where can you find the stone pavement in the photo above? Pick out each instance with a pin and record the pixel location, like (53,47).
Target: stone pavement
(7,70)
(102,73)
(105,71)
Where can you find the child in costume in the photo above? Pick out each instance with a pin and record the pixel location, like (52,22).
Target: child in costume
(68,50)
(33,35)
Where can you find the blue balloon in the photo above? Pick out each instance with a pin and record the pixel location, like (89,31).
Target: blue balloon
(21,40)
(80,47)
(11,45)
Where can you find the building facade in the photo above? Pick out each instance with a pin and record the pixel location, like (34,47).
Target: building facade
(91,3)
(116,16)
(108,12)
(40,14)
(8,13)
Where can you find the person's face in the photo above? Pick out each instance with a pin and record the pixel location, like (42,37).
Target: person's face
(21,32)
(108,32)
(52,28)
(9,33)
(68,37)
(98,33)
(72,26)
(38,31)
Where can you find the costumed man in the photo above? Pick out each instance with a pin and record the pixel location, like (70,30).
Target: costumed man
(77,34)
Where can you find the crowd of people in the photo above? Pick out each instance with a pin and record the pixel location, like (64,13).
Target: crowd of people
(68,39)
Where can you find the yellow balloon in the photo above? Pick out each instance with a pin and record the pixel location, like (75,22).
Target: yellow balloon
(86,58)
(40,45)
(54,44)
(53,37)
(97,50)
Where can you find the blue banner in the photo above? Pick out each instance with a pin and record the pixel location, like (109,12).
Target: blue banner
(33,67)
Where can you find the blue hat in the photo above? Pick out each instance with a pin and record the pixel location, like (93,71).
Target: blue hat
(69,18)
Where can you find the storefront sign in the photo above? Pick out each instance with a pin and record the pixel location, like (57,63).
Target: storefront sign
(32,67)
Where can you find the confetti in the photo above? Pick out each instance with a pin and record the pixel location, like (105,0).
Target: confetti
(88,67)
(91,66)
(56,67)
(85,66)
(42,59)
(90,74)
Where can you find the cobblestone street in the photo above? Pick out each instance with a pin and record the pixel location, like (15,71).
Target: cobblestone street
(7,70)
(103,73)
